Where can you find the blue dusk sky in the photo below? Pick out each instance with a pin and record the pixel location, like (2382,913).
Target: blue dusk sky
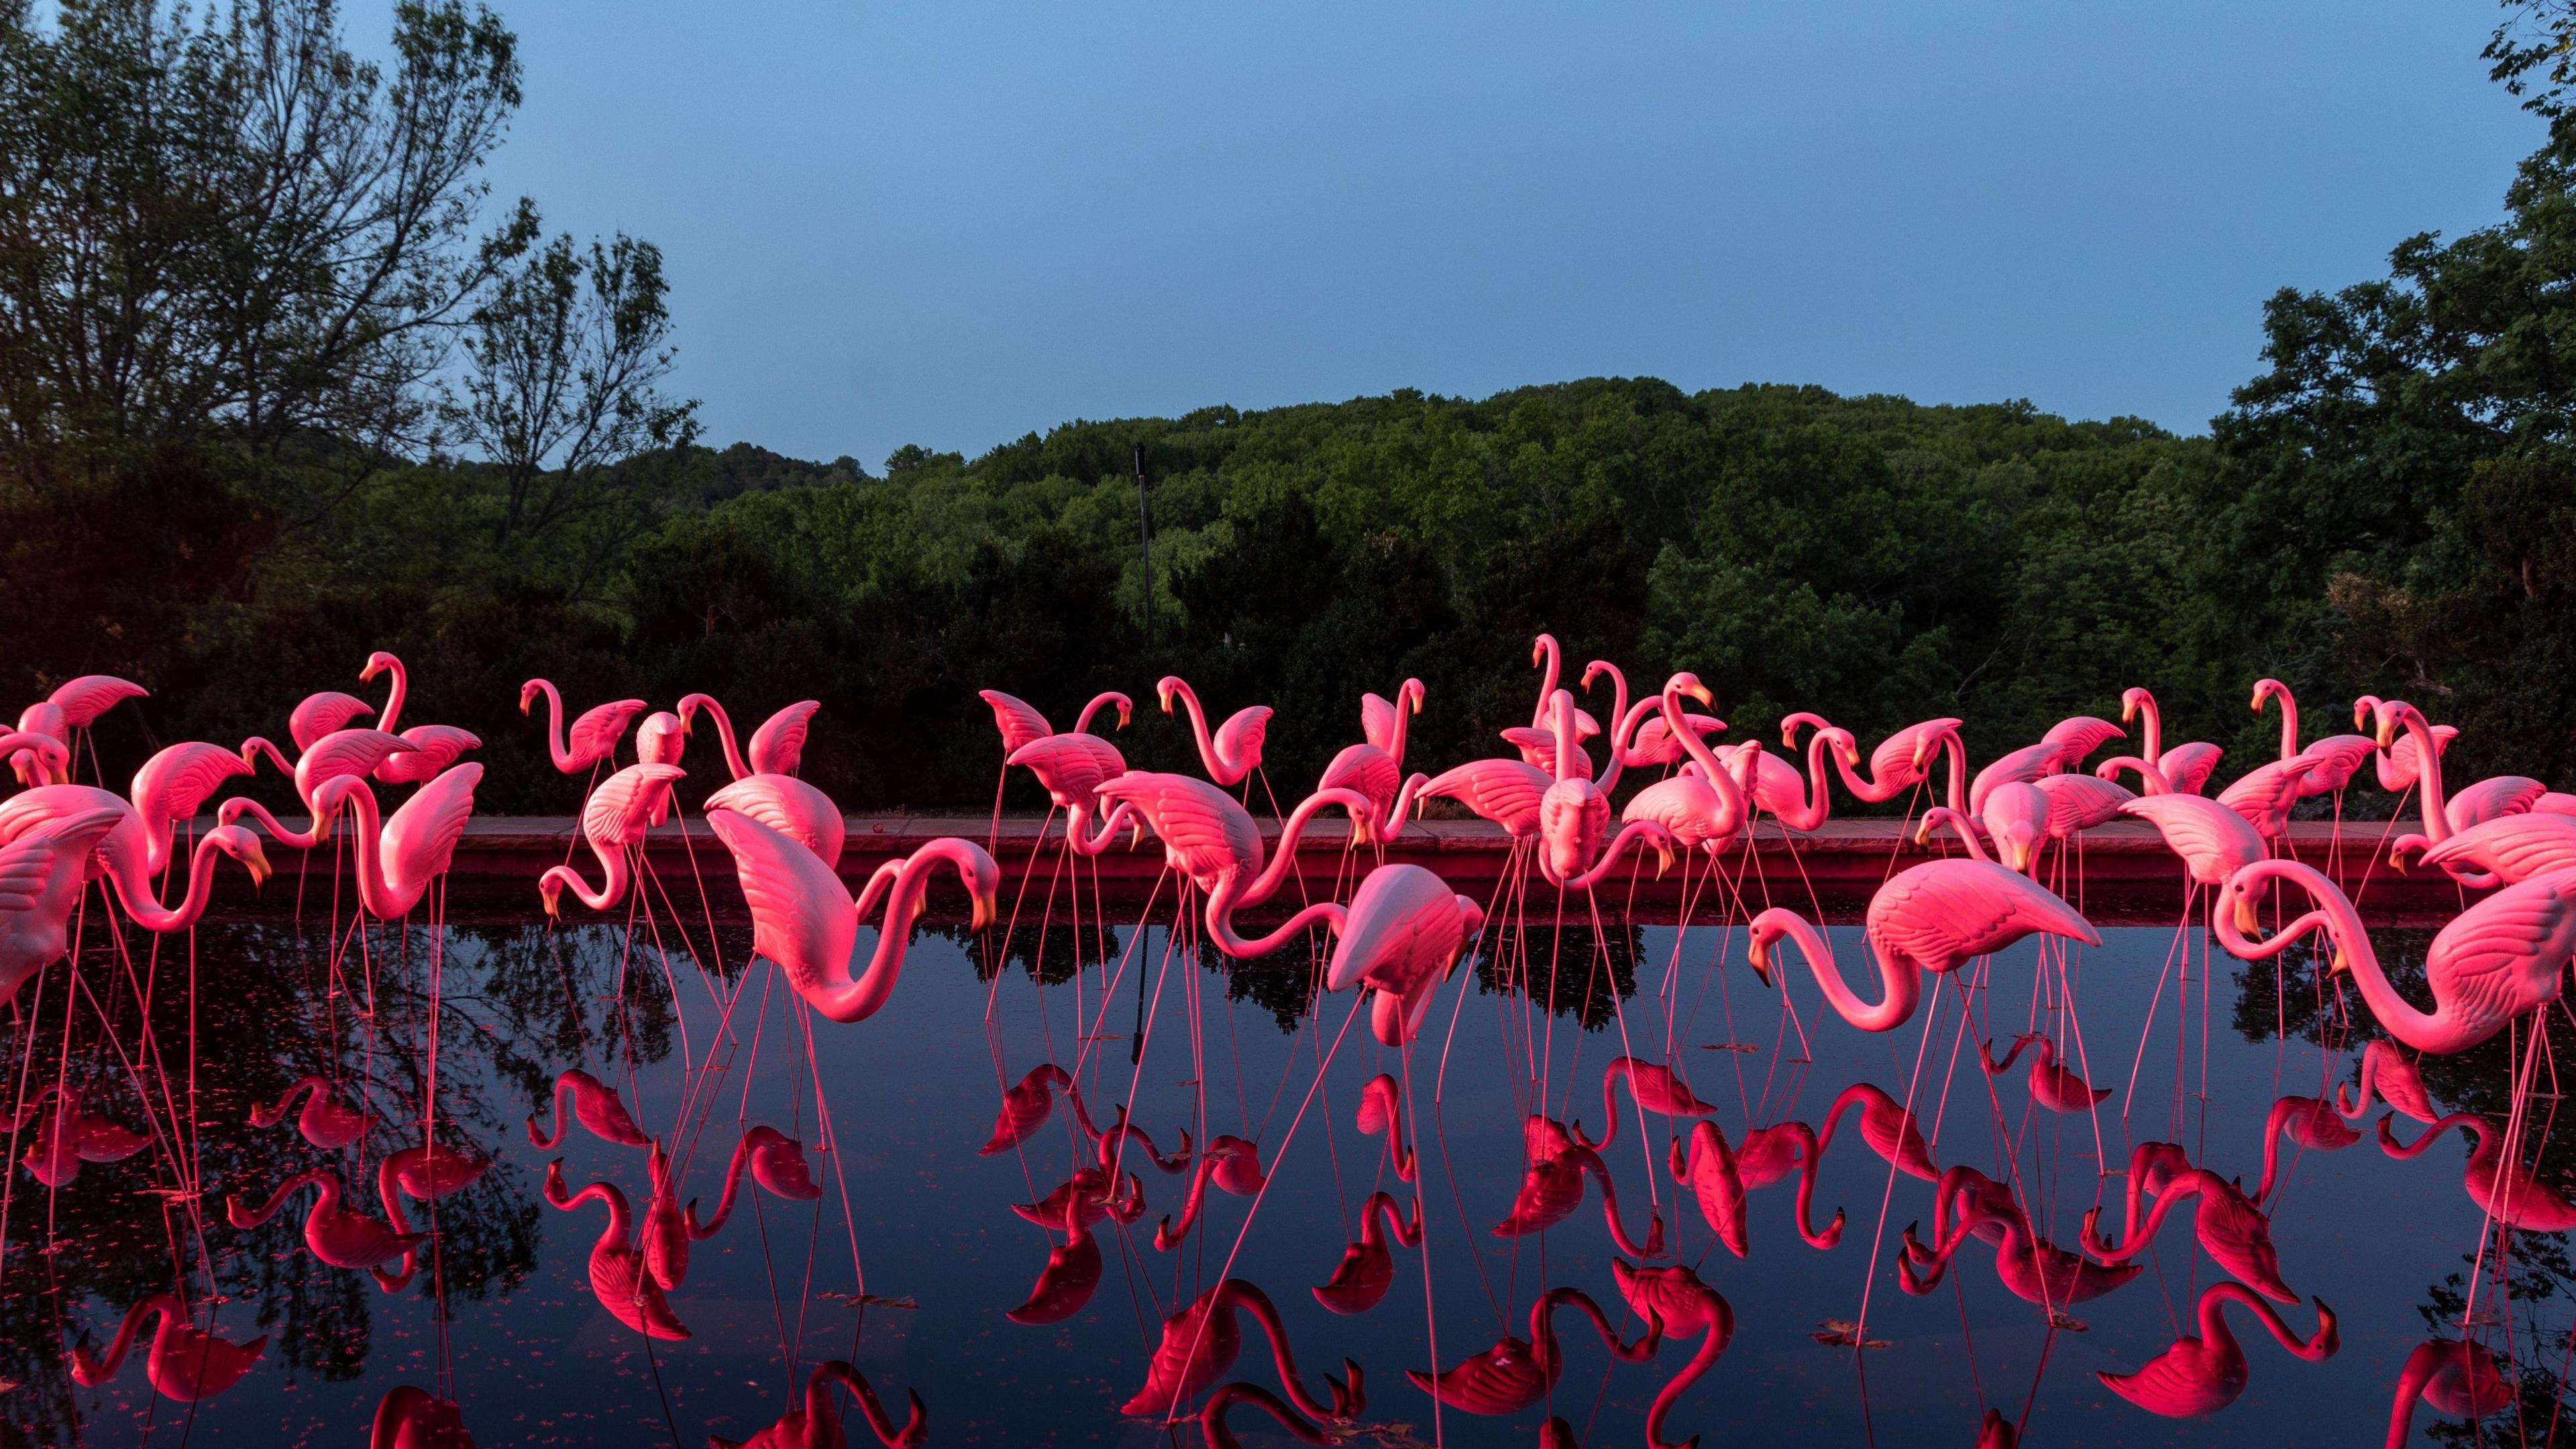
(952,223)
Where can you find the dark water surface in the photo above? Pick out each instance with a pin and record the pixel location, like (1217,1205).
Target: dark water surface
(911,1094)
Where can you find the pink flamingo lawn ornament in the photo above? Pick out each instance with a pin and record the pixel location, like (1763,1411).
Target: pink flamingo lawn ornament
(1933,917)
(2232,1230)
(2445,814)
(805,921)
(1706,806)
(1655,1087)
(2386,1074)
(2182,767)
(185,1362)
(1072,768)
(1020,724)
(119,853)
(433,747)
(1574,816)
(617,1272)
(1359,1282)
(777,747)
(2399,763)
(775,1160)
(399,858)
(414,1418)
(339,754)
(1719,1176)
(1025,1107)
(1901,761)
(1380,1114)
(1518,1372)
(1798,801)
(1071,1274)
(595,1105)
(1675,1297)
(816,1423)
(595,734)
(1887,1127)
(1552,1188)
(2205,1372)
(427,1172)
(326,1121)
(1538,741)
(2311,1122)
(41,873)
(2029,1266)
(2459,1379)
(1401,936)
(2015,816)
(339,1235)
(75,705)
(323,712)
(69,1137)
(1375,766)
(613,821)
(2500,958)
(1233,1165)
(1202,1340)
(37,759)
(2505,1189)
(2051,1084)
(1211,841)
(1235,750)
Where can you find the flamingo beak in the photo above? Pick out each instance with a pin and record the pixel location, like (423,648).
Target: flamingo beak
(1701,693)
(256,862)
(1124,712)
(2128,708)
(2341,962)
(1759,957)
(1663,859)
(986,908)
(554,906)
(2386,734)
(2246,920)
(370,672)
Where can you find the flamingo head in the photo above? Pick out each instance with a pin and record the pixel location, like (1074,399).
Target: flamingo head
(2266,689)
(1410,694)
(1844,744)
(1927,747)
(2362,705)
(2132,700)
(2240,902)
(1541,647)
(1757,953)
(1689,686)
(527,695)
(1165,688)
(2392,716)
(378,663)
(551,890)
(239,843)
(1126,711)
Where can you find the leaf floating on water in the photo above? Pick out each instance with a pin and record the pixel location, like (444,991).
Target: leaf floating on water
(1390,1435)
(869,1300)
(1730,1046)
(7,1384)
(2060,1320)
(1843,1333)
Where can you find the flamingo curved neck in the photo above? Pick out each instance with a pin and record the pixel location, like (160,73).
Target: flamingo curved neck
(1901,979)
(849,1000)
(1082,721)
(1552,663)
(724,1203)
(1077,831)
(1220,769)
(725,735)
(2154,733)
(1629,834)
(1618,711)
(2428,774)
(554,725)
(375,892)
(2289,725)
(135,893)
(1402,805)
(1812,810)
(612,887)
(1730,795)
(1262,886)
(387,721)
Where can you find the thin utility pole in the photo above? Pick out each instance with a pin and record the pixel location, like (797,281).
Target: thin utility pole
(1145,551)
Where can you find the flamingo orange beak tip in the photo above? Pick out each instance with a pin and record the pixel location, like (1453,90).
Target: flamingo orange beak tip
(1701,693)
(2246,920)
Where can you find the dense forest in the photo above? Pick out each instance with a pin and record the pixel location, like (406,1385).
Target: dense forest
(281,384)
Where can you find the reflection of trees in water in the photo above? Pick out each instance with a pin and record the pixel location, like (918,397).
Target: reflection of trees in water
(516,1005)
(2293,994)
(1046,954)
(1571,969)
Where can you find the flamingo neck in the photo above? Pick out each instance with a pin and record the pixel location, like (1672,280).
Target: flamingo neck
(2428,774)
(394,700)
(1562,708)
(2289,725)
(724,734)
(1082,721)
(862,998)
(163,1305)
(1277,871)
(374,891)
(1216,765)
(1618,711)
(1550,664)
(555,725)
(1730,795)
(2155,730)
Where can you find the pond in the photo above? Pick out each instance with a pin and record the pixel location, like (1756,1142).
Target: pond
(909,1260)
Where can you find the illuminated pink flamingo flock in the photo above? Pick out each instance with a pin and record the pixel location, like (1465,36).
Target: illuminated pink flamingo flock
(1588,801)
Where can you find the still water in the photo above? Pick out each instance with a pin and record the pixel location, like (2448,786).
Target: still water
(910,1260)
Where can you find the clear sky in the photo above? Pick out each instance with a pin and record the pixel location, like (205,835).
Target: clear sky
(951,223)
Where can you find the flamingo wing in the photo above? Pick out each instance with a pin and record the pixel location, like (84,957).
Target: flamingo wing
(778,746)
(1506,792)
(347,752)
(182,777)
(324,713)
(594,736)
(801,914)
(1016,718)
(2516,847)
(420,839)
(1942,912)
(84,699)
(2505,954)
(618,812)
(1204,833)
(2081,802)
(2212,839)
(2188,765)
(2492,798)
(789,806)
(1377,720)
(1240,737)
